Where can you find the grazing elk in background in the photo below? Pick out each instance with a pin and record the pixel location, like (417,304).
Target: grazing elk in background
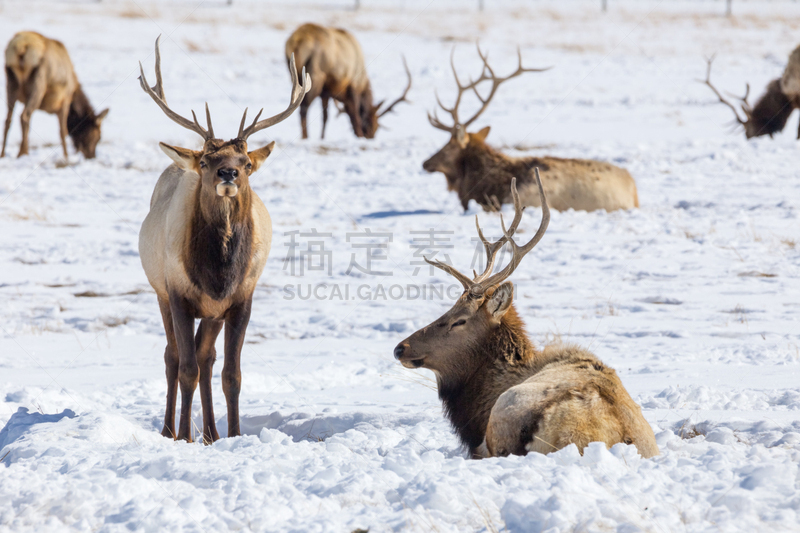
(203,246)
(40,74)
(335,62)
(501,394)
(773,109)
(478,172)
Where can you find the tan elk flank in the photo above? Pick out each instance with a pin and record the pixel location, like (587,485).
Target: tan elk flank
(501,394)
(40,74)
(772,110)
(335,62)
(476,171)
(203,246)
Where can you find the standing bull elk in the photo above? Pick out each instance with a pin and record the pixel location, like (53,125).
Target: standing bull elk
(203,246)
(478,172)
(501,394)
(335,62)
(40,74)
(773,109)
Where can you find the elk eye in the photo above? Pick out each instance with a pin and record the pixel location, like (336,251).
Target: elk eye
(459,323)
(249,166)
(203,164)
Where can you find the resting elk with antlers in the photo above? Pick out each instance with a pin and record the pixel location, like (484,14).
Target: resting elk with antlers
(335,62)
(476,171)
(501,394)
(40,74)
(203,246)
(773,109)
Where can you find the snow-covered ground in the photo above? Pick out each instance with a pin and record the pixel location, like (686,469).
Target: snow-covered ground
(693,298)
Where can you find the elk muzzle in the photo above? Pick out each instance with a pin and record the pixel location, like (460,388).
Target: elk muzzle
(226,187)
(406,356)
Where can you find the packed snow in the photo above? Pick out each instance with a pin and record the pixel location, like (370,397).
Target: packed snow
(693,298)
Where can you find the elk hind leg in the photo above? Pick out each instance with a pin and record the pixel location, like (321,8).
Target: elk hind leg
(39,87)
(325,98)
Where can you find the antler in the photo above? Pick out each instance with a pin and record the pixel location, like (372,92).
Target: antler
(298,93)
(487,74)
(485,280)
(745,104)
(157,94)
(403,96)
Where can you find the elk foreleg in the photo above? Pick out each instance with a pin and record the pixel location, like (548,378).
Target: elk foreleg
(206,355)
(62,124)
(325,99)
(33,103)
(188,371)
(235,326)
(171,364)
(12,86)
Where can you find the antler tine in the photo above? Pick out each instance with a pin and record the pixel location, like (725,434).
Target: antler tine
(496,81)
(157,94)
(405,93)
(707,81)
(298,93)
(434,120)
(465,281)
(518,252)
(491,252)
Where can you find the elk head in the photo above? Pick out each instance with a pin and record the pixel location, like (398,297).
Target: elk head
(224,167)
(446,345)
(369,113)
(445,160)
(769,114)
(86,135)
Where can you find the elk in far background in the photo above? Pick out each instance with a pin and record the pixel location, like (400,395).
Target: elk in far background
(501,394)
(335,62)
(773,109)
(476,171)
(40,74)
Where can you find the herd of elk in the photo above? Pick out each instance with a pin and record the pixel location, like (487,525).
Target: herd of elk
(335,62)
(501,394)
(478,172)
(203,246)
(772,110)
(39,74)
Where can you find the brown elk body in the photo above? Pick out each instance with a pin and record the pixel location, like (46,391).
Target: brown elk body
(39,73)
(773,109)
(478,172)
(334,60)
(203,246)
(502,395)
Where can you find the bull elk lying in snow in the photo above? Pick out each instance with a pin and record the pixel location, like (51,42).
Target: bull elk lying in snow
(501,394)
(203,246)
(335,62)
(40,74)
(478,172)
(773,109)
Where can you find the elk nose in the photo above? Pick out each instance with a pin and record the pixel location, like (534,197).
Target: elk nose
(398,351)
(227,174)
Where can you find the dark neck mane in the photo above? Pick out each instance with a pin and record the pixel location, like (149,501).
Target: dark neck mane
(81,114)
(504,360)
(220,243)
(486,173)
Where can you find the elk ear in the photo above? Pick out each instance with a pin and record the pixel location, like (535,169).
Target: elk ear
(183,157)
(500,301)
(99,118)
(258,156)
(481,135)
